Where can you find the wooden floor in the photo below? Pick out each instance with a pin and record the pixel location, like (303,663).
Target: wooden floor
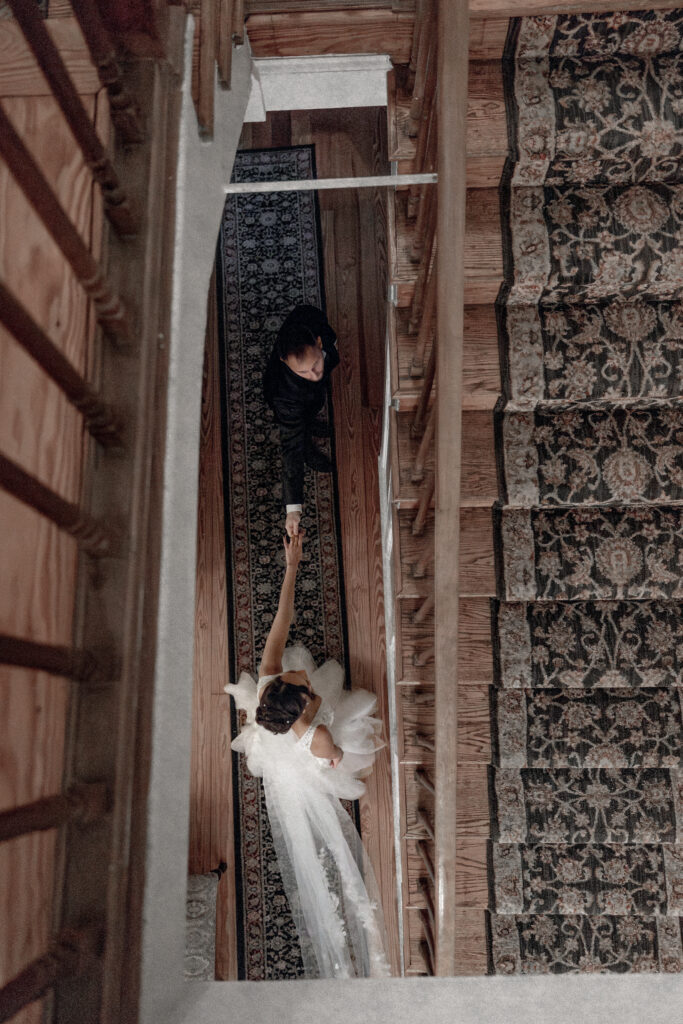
(353,227)
(43,433)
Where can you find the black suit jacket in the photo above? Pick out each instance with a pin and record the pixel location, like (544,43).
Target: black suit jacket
(296,401)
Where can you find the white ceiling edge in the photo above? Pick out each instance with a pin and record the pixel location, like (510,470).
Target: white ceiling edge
(317,83)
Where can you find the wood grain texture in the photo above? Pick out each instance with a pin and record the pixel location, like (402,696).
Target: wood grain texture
(486,124)
(19,73)
(41,431)
(475,654)
(470,939)
(471,885)
(306,33)
(487,37)
(474,725)
(477,576)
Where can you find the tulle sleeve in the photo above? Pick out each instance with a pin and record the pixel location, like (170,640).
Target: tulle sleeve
(250,739)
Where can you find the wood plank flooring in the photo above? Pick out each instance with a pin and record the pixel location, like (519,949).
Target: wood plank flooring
(347,143)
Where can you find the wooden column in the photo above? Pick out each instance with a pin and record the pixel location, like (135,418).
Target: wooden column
(453,33)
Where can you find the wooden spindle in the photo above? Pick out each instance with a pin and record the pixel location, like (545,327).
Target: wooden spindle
(125,113)
(424,657)
(427,944)
(117,205)
(92,535)
(425,66)
(84,803)
(424,272)
(425,609)
(420,520)
(418,425)
(426,859)
(425,560)
(207,60)
(108,308)
(238,22)
(425,156)
(418,24)
(224,36)
(426,894)
(73,954)
(425,225)
(58,661)
(426,333)
(423,780)
(418,472)
(421,740)
(423,820)
(98,417)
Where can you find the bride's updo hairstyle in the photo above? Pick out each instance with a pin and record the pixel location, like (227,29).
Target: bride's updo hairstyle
(281,705)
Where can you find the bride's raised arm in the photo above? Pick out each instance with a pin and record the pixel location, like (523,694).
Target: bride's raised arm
(271,663)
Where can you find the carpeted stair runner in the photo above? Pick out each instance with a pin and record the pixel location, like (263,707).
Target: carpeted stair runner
(268,261)
(586,785)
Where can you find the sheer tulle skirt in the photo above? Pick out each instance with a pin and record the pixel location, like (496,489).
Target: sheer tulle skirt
(325,870)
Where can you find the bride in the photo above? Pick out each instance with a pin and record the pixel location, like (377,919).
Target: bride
(310,741)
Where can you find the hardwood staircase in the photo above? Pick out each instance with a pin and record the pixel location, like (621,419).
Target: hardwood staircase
(411,472)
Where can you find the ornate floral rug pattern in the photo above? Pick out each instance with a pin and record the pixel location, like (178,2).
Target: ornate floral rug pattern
(586,789)
(268,260)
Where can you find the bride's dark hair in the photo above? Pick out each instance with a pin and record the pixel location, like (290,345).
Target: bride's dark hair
(281,705)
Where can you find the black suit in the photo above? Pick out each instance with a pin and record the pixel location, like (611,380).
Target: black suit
(297,401)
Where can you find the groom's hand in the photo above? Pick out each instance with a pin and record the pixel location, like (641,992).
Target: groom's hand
(292,524)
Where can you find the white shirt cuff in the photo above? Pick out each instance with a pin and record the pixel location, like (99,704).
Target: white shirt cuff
(293,508)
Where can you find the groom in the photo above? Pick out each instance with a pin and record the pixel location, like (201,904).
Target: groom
(295,387)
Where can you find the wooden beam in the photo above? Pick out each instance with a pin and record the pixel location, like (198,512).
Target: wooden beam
(19,74)
(306,34)
(453,33)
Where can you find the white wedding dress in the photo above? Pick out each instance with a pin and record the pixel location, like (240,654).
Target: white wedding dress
(325,871)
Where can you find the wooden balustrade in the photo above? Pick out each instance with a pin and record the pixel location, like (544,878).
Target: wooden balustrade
(82,804)
(418,472)
(422,658)
(423,820)
(238,22)
(224,34)
(74,953)
(426,859)
(418,425)
(426,334)
(99,418)
(425,156)
(124,109)
(425,66)
(94,536)
(425,225)
(424,741)
(425,609)
(424,505)
(428,896)
(79,665)
(108,307)
(427,944)
(417,305)
(117,205)
(426,558)
(423,780)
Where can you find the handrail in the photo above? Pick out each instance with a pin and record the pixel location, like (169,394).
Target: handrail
(453,34)
(82,666)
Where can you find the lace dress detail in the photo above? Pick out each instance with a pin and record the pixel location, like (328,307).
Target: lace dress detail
(323,716)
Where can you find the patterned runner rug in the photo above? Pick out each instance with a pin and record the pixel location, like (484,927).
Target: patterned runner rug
(586,788)
(268,260)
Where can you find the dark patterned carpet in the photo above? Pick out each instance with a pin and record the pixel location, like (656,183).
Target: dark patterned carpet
(268,260)
(586,787)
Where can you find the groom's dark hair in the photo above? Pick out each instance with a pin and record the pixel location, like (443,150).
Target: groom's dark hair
(281,705)
(294,339)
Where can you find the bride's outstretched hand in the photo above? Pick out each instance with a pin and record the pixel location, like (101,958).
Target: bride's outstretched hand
(294,548)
